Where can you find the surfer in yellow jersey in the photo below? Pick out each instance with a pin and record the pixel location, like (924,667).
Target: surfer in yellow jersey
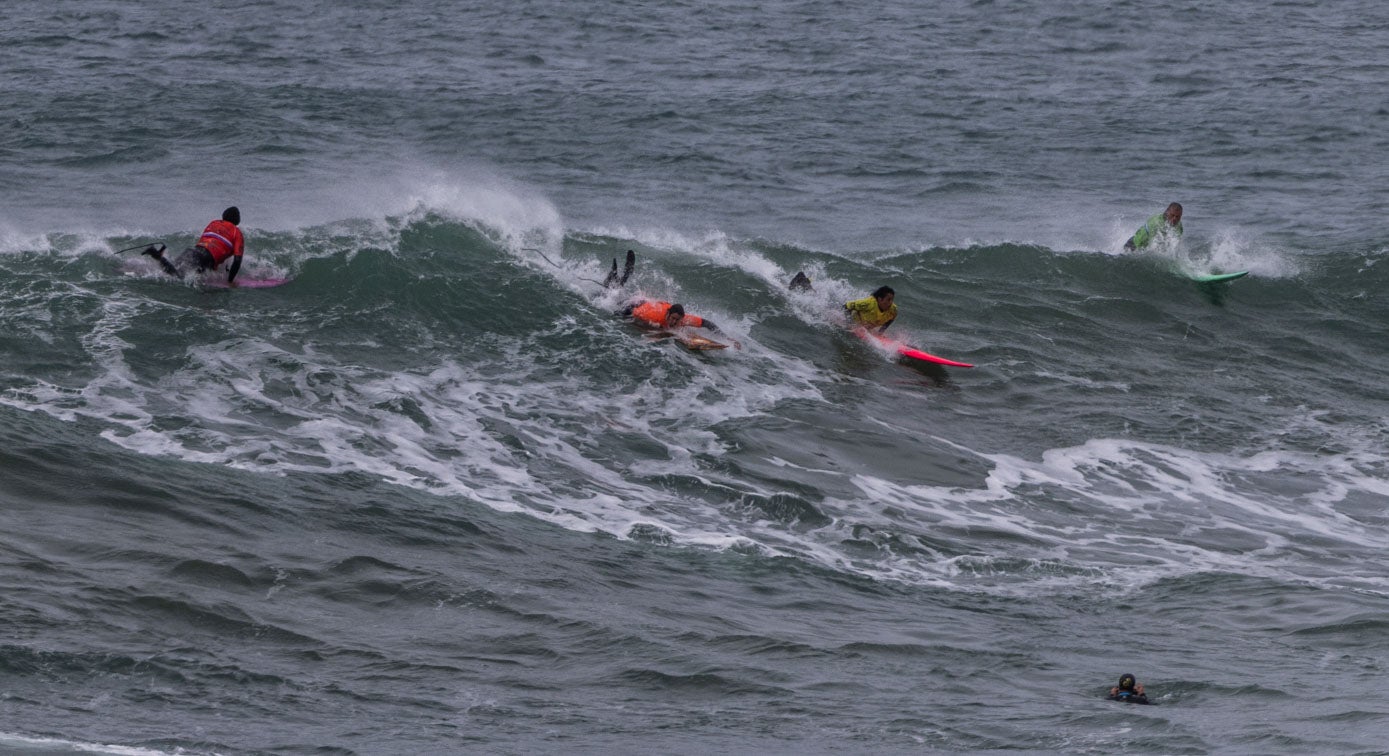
(876,311)
(1167,224)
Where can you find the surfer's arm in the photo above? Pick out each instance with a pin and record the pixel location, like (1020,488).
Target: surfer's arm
(859,310)
(884,326)
(695,321)
(232,271)
(1144,234)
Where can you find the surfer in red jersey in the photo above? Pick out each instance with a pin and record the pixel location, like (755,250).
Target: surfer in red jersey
(221,239)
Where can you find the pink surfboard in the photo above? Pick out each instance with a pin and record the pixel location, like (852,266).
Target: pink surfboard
(908,351)
(245,283)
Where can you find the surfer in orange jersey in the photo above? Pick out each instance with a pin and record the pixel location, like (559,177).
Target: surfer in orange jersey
(652,313)
(220,240)
(656,314)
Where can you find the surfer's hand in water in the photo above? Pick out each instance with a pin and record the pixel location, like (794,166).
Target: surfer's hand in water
(737,345)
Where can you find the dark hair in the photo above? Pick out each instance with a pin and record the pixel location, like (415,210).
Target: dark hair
(676,309)
(1127,677)
(883,291)
(1175,205)
(232,215)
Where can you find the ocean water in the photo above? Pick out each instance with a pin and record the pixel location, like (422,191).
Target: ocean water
(431,496)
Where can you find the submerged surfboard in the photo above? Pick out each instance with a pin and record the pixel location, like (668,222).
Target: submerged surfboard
(250,283)
(1219,277)
(690,341)
(909,352)
(698,343)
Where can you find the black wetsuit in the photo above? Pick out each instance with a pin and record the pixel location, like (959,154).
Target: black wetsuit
(613,281)
(195,259)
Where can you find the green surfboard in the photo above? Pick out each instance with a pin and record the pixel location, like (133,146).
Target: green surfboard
(1220,277)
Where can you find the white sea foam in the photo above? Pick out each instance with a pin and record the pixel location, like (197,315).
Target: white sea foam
(1113,511)
(291,412)
(1234,249)
(41,745)
(1136,512)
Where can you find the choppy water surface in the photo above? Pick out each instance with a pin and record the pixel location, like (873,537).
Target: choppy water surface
(432,497)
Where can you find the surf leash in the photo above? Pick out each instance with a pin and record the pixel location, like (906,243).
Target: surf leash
(138,246)
(552,262)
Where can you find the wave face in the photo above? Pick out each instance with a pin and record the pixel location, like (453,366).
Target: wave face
(433,495)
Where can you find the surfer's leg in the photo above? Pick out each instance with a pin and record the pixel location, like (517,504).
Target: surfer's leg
(613,281)
(194,259)
(204,260)
(157,252)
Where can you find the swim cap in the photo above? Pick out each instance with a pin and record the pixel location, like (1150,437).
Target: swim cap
(232,215)
(1127,681)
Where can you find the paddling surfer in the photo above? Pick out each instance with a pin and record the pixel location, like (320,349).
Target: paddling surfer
(652,313)
(657,314)
(876,311)
(1166,224)
(221,239)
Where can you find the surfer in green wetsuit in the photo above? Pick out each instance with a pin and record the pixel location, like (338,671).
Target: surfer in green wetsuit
(877,311)
(1166,223)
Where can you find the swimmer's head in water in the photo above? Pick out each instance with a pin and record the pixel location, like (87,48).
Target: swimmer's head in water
(1127,681)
